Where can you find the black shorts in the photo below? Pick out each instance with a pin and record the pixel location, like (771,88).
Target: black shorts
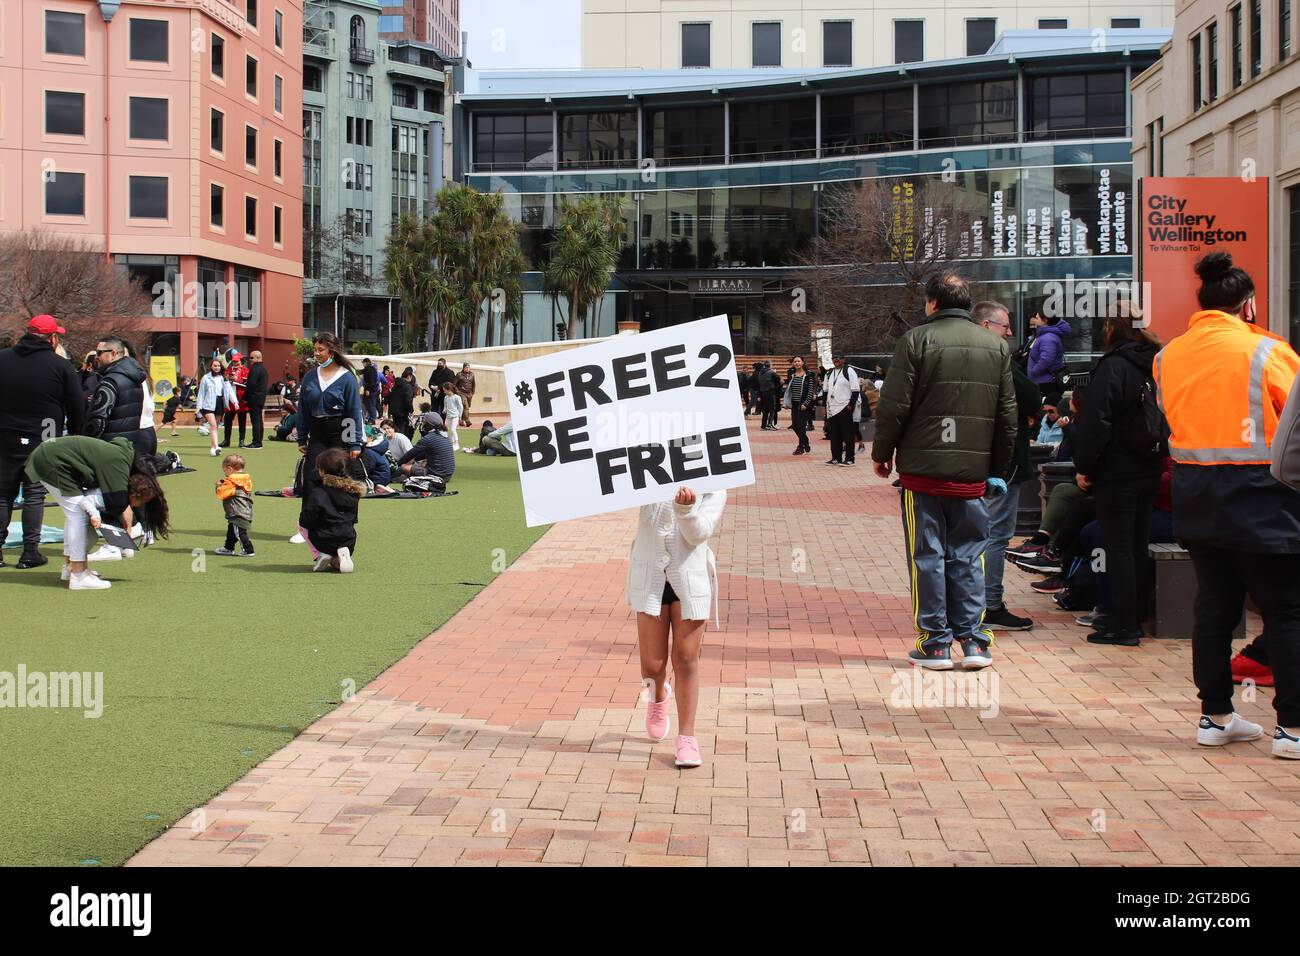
(670,596)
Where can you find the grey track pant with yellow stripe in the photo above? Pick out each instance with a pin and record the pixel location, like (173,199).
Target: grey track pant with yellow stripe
(945,539)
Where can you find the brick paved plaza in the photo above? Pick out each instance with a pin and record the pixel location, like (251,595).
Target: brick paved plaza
(513,734)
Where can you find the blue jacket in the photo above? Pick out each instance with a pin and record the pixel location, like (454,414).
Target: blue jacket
(378,467)
(341,400)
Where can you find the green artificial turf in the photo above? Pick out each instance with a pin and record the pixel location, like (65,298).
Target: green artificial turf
(211,664)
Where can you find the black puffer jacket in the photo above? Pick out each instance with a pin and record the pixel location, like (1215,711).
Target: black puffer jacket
(948,408)
(37,386)
(1114,398)
(330,509)
(118,404)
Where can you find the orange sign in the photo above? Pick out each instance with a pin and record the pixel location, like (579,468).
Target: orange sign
(1186,218)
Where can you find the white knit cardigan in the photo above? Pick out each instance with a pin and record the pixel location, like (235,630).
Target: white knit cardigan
(671,545)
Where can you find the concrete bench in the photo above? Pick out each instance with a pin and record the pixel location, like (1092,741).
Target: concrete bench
(1175,594)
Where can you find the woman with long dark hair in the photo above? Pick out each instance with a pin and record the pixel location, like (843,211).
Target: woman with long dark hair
(86,475)
(800,394)
(329,413)
(215,393)
(1119,463)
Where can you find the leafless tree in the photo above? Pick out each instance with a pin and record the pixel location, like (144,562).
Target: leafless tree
(865,276)
(41,272)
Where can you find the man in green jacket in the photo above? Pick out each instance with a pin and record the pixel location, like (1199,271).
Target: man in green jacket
(947,419)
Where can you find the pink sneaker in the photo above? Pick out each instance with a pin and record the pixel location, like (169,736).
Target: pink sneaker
(656,712)
(688,752)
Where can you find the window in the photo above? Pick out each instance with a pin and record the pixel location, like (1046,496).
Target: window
(217,205)
(247,293)
(784,128)
(512,142)
(279,93)
(277,151)
(980,34)
(1283,29)
(837,43)
(250,146)
(909,41)
(250,216)
(1125,23)
(147,272)
(1196,73)
(592,139)
(357,33)
(1064,105)
(867,122)
(960,114)
(251,14)
(148,40)
(695,45)
(312,79)
(277,215)
(148,118)
(1256,37)
(1237,58)
(147,197)
(65,194)
(1212,64)
(217,138)
(1293,198)
(65,33)
(766,41)
(65,113)
(218,57)
(391,24)
(212,280)
(279,30)
(685,135)
(1053,23)
(250,76)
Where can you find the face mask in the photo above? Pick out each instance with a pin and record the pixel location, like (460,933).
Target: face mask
(327,363)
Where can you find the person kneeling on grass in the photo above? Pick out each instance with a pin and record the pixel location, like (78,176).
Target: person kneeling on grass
(671,582)
(329,513)
(236,494)
(85,475)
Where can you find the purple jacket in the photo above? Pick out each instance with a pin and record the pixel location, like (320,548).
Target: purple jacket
(1047,354)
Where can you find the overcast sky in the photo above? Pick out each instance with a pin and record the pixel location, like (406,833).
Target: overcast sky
(532,34)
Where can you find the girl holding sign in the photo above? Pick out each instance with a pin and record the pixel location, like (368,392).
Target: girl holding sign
(671,581)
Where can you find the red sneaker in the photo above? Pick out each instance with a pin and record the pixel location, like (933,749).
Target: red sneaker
(1243,667)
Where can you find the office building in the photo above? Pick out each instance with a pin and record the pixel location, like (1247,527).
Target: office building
(165,135)
(372,149)
(1224,100)
(740,34)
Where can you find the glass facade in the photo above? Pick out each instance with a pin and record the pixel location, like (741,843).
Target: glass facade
(1021,180)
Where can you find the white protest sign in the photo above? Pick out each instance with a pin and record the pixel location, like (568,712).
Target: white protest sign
(626,422)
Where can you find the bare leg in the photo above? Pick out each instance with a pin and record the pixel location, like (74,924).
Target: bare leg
(212,428)
(652,639)
(687,636)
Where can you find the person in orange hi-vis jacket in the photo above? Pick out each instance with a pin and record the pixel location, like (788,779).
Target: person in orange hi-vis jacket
(1222,385)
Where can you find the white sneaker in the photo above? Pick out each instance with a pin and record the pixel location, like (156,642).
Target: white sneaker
(345,561)
(322,563)
(203,430)
(1284,745)
(297,539)
(1210,734)
(107,552)
(66,572)
(215,452)
(88,581)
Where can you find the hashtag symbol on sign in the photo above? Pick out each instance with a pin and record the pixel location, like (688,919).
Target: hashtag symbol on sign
(524,393)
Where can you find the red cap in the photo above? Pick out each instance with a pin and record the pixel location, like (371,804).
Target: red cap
(236,357)
(46,325)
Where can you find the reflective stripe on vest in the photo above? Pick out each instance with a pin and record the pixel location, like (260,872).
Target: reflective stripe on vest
(1257,453)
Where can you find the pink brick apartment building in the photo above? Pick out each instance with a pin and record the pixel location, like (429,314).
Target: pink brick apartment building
(425,21)
(166,133)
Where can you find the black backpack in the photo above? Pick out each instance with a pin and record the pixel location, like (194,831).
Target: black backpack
(1145,432)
